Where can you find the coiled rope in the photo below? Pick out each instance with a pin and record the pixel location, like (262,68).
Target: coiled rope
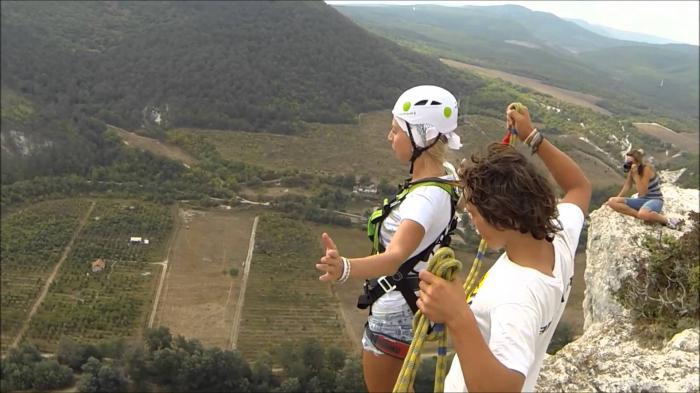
(444,265)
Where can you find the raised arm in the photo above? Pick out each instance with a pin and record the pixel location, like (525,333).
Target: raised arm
(567,174)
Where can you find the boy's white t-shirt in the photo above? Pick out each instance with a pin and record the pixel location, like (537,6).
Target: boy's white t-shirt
(430,207)
(517,308)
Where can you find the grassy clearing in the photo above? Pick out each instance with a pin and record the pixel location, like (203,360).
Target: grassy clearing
(154,146)
(682,141)
(32,241)
(116,301)
(200,294)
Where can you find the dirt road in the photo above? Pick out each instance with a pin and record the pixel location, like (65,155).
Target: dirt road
(244,284)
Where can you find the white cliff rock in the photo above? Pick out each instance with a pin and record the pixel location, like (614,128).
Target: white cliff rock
(607,357)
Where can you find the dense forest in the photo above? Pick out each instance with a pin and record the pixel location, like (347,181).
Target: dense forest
(70,67)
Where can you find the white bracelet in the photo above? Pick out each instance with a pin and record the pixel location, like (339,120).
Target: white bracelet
(532,135)
(346,270)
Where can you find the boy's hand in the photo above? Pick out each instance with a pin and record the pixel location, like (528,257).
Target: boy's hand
(440,300)
(330,263)
(520,118)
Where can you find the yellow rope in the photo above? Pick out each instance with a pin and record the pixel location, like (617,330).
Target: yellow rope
(443,264)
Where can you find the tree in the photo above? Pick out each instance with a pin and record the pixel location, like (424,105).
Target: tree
(262,369)
(335,358)
(18,366)
(48,374)
(111,379)
(350,377)
(134,360)
(158,338)
(99,377)
(75,354)
(290,385)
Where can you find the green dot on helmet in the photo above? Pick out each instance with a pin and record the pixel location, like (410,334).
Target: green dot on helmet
(406,106)
(447,112)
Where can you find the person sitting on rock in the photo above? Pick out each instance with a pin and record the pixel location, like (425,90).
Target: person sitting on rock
(649,201)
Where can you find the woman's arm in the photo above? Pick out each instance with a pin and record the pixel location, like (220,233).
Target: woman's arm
(404,242)
(642,182)
(627,186)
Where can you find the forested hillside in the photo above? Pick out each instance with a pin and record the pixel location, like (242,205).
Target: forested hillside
(626,75)
(70,67)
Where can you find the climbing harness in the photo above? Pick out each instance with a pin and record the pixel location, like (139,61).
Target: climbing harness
(444,265)
(405,279)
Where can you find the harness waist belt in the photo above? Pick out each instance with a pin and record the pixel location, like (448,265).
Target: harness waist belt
(390,346)
(376,288)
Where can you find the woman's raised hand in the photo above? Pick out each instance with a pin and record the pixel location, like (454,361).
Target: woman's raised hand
(330,263)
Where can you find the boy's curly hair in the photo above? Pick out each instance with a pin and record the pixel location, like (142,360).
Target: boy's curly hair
(509,192)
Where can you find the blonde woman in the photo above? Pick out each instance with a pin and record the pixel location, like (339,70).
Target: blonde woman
(404,232)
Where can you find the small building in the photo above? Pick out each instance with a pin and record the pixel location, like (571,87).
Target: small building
(98,265)
(365,189)
(138,240)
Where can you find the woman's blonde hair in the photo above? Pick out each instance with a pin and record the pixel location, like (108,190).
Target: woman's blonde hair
(438,151)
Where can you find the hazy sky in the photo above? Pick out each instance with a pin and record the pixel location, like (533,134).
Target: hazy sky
(674,20)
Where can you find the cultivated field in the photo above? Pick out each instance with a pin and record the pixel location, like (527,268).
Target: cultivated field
(331,148)
(154,146)
(284,298)
(114,302)
(570,96)
(199,295)
(682,141)
(32,241)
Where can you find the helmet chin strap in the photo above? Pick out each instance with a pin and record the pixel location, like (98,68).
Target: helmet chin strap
(417,151)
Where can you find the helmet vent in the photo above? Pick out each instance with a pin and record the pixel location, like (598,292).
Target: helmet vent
(435,103)
(423,102)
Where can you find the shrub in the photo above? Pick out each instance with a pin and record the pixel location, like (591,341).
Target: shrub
(662,294)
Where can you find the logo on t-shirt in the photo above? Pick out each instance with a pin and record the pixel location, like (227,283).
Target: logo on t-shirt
(545,327)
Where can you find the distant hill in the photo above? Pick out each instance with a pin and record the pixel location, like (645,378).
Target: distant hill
(227,65)
(542,46)
(622,34)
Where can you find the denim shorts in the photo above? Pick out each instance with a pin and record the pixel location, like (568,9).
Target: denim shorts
(652,204)
(397,325)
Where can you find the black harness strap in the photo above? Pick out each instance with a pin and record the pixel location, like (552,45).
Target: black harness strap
(405,279)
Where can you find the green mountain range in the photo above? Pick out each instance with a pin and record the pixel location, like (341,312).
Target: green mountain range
(626,75)
(157,65)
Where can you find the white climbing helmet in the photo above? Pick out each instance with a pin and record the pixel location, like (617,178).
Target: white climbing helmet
(430,111)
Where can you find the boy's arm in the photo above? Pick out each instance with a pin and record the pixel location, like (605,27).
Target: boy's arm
(443,301)
(567,174)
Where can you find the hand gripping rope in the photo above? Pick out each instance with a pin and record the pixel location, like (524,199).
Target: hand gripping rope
(444,265)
